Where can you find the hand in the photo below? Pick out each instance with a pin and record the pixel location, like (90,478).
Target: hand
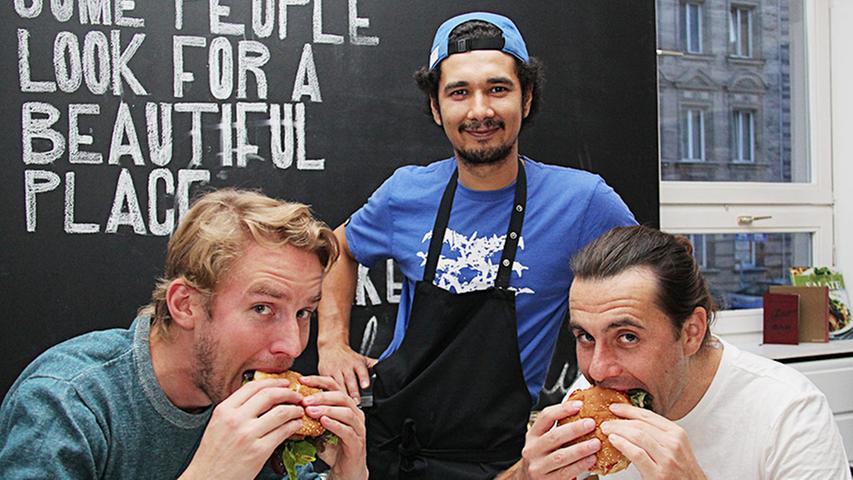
(339,414)
(545,454)
(348,368)
(245,429)
(656,446)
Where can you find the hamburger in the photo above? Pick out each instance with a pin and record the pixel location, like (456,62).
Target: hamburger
(596,405)
(300,448)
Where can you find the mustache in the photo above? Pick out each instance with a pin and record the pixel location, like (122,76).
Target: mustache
(478,124)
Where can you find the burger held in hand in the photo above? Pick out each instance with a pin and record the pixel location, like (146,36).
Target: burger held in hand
(596,405)
(300,448)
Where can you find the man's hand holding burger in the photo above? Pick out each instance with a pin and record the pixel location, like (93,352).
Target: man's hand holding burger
(340,415)
(657,447)
(245,429)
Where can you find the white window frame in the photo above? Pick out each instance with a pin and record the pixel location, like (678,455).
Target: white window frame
(736,13)
(739,140)
(818,122)
(688,31)
(689,129)
(727,207)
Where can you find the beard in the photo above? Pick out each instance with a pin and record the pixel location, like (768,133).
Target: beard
(485,155)
(206,377)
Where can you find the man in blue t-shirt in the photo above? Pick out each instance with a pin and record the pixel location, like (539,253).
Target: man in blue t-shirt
(484,240)
(165,398)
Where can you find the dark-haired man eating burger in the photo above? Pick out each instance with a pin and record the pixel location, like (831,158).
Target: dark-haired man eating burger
(640,311)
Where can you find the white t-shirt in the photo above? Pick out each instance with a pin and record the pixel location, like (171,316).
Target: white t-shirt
(761,420)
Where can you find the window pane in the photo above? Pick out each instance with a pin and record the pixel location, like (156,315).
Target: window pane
(740,267)
(760,74)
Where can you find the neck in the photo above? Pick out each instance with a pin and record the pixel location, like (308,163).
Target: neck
(700,373)
(174,370)
(493,176)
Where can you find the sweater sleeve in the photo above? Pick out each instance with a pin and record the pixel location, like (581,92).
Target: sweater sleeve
(49,432)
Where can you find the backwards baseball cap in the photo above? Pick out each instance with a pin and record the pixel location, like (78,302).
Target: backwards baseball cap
(511,41)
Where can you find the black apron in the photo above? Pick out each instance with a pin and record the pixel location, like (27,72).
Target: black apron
(452,402)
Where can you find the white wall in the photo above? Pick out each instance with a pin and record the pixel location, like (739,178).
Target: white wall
(841,20)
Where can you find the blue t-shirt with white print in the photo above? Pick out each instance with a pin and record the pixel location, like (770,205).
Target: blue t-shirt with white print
(566,209)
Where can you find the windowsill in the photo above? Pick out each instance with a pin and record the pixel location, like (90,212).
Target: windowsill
(750,269)
(743,329)
(745,61)
(702,57)
(742,164)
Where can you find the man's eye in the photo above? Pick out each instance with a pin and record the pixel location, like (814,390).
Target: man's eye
(629,338)
(304,314)
(499,89)
(262,309)
(584,338)
(458,93)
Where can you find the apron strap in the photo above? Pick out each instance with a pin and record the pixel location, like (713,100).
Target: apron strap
(512,236)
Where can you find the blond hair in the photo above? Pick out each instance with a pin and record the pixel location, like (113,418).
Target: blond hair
(217,230)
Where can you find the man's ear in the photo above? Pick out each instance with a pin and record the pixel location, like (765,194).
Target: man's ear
(693,331)
(527,102)
(185,303)
(436,112)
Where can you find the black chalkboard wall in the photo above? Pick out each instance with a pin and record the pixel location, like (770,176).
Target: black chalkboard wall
(93,178)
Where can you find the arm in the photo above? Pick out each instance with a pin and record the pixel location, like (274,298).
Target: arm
(49,432)
(337,359)
(656,446)
(545,455)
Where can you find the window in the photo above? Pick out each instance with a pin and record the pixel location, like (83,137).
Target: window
(743,136)
(693,27)
(740,32)
(755,196)
(693,134)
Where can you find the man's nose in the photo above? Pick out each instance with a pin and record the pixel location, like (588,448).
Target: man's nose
(287,339)
(480,107)
(604,364)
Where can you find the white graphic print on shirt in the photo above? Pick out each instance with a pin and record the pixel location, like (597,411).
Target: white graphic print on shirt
(473,268)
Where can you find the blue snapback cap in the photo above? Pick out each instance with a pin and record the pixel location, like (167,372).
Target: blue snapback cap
(511,43)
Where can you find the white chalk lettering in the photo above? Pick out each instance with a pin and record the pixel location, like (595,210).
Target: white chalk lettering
(96,72)
(365,290)
(96,12)
(225,131)
(33,129)
(122,129)
(281,157)
(355,23)
(24,11)
(244,148)
(282,15)
(180,76)
(306,82)
(221,70)
(263,17)
(159,136)
(75,138)
(62,10)
(393,288)
(123,6)
(69,224)
(67,62)
(303,163)
(185,180)
(24,78)
(179,14)
(120,60)
(219,27)
(319,36)
(196,109)
(251,56)
(125,210)
(35,182)
(157,227)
